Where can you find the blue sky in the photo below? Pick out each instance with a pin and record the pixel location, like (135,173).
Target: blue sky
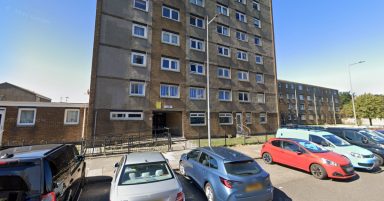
(46,45)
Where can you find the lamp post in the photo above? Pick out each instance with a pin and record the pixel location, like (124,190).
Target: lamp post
(350,84)
(207,70)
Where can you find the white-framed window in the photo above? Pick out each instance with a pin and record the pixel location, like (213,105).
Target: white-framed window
(259,59)
(290,106)
(197,68)
(137,88)
(244,96)
(259,78)
(197,93)
(224,73)
(243,75)
(292,86)
(260,97)
(302,117)
(139,30)
(197,2)
(309,98)
(257,23)
(171,13)
(225,95)
(26,117)
(302,107)
(169,91)
(300,87)
(71,116)
(196,21)
(138,59)
(242,36)
(293,96)
(170,38)
(225,118)
(170,64)
(248,118)
(241,17)
(286,85)
(258,41)
(126,116)
(301,97)
(197,119)
(263,118)
(196,44)
(221,9)
(255,5)
(242,55)
(223,51)
(223,30)
(310,107)
(242,1)
(141,5)
(287,96)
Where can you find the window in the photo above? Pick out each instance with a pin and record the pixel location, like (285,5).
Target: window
(170,38)
(260,98)
(293,96)
(242,55)
(255,5)
(309,98)
(225,118)
(26,117)
(170,64)
(290,107)
(243,76)
(197,119)
(287,96)
(302,117)
(197,68)
(258,41)
(138,59)
(71,116)
(263,118)
(196,44)
(290,146)
(197,2)
(242,1)
(223,30)
(292,86)
(302,107)
(241,17)
(316,139)
(244,97)
(132,116)
(259,59)
(139,30)
(260,78)
(223,10)
(137,88)
(225,95)
(300,87)
(170,13)
(196,21)
(194,155)
(241,36)
(141,4)
(197,93)
(257,23)
(224,73)
(248,118)
(169,91)
(301,97)
(224,51)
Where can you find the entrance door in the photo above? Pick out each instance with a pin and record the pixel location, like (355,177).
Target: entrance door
(239,123)
(2,118)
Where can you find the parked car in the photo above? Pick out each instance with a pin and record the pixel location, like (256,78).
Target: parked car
(359,157)
(380,131)
(41,173)
(307,156)
(368,139)
(145,177)
(225,174)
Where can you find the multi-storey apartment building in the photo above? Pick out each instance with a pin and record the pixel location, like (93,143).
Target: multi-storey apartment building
(149,67)
(307,104)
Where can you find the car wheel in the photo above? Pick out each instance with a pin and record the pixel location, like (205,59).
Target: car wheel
(318,171)
(209,193)
(380,160)
(181,168)
(267,158)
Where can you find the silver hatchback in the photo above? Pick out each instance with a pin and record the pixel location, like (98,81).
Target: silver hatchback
(145,177)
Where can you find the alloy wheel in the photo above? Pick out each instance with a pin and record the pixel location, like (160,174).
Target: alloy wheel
(209,192)
(267,158)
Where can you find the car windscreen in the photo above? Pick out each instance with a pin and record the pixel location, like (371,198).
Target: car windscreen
(312,147)
(242,168)
(336,140)
(24,177)
(145,173)
(376,136)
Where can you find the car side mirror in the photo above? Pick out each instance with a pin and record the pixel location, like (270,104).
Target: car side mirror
(116,165)
(299,152)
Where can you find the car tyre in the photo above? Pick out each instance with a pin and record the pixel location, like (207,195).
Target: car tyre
(267,158)
(209,193)
(318,171)
(380,160)
(182,169)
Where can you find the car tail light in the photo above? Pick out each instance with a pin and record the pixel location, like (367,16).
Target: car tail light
(180,196)
(228,183)
(49,197)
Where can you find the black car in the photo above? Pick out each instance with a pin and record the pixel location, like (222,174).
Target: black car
(365,138)
(41,172)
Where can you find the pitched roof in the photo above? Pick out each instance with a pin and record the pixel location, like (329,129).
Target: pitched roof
(29,91)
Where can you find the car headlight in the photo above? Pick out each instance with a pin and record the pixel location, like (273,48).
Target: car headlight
(328,162)
(356,155)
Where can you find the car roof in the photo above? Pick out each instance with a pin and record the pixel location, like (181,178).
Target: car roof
(143,157)
(226,154)
(34,151)
(290,139)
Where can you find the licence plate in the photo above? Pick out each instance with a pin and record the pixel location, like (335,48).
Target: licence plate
(253,187)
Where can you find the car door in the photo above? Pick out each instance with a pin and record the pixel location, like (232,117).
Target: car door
(60,167)
(202,169)
(76,166)
(290,152)
(350,136)
(277,152)
(191,163)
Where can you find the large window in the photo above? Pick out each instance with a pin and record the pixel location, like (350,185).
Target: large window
(123,115)
(225,95)
(197,68)
(169,91)
(170,38)
(221,9)
(196,44)
(139,30)
(196,21)
(223,30)
(137,88)
(260,78)
(242,55)
(170,64)
(171,13)
(71,116)
(241,36)
(138,59)
(197,118)
(224,73)
(259,59)
(197,93)
(244,96)
(225,118)
(26,117)
(255,5)
(134,174)
(141,4)
(243,75)
(223,51)
(263,118)
(260,98)
(241,17)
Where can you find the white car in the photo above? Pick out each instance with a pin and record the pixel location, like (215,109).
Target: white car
(145,177)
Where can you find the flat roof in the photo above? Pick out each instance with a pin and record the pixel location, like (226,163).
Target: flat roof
(307,84)
(41,104)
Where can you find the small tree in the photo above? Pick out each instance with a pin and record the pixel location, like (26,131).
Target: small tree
(345,98)
(369,106)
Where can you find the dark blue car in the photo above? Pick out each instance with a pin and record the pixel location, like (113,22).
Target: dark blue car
(225,174)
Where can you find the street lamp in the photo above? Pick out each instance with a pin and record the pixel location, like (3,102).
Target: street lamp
(352,95)
(207,70)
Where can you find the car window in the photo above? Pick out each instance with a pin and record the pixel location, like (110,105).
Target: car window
(312,147)
(350,135)
(60,160)
(204,158)
(315,139)
(25,176)
(290,146)
(145,173)
(337,141)
(276,143)
(194,155)
(242,168)
(213,163)
(374,135)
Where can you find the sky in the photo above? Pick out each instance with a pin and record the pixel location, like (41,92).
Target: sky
(46,45)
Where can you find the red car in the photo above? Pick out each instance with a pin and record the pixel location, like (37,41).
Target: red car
(307,156)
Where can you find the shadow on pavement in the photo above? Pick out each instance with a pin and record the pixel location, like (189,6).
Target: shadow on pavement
(191,191)
(96,189)
(279,195)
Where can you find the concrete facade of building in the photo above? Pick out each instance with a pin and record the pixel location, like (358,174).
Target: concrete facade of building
(149,68)
(10,92)
(308,104)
